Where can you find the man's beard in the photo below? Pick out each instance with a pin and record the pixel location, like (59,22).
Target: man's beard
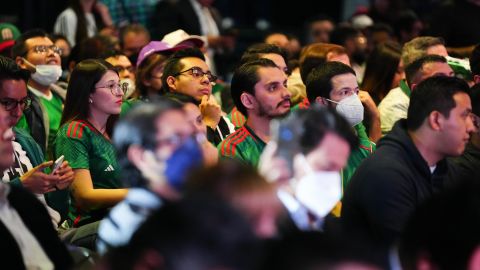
(263,112)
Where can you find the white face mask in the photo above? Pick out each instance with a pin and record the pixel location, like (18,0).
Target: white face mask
(319,191)
(351,108)
(45,74)
(130,88)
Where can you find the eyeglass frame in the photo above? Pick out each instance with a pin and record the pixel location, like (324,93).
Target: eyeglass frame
(52,47)
(122,86)
(26,102)
(211,78)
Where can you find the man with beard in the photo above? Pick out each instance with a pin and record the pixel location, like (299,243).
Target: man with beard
(259,91)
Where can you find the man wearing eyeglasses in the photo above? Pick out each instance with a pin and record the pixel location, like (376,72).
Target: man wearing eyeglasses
(28,166)
(186,72)
(34,51)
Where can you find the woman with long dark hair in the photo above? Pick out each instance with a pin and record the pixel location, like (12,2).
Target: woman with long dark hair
(384,70)
(93,102)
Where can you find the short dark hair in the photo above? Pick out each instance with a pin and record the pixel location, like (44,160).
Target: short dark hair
(412,70)
(244,79)
(9,70)
(343,33)
(475,60)
(174,66)
(111,53)
(20,48)
(315,54)
(256,51)
(433,94)
(134,28)
(319,81)
(317,122)
(138,127)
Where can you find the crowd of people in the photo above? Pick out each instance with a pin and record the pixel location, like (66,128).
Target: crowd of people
(130,143)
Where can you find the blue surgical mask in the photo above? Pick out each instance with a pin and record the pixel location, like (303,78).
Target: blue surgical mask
(185,158)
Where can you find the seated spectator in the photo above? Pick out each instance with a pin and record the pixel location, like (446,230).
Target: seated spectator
(259,91)
(186,72)
(150,65)
(195,118)
(94,98)
(383,70)
(255,52)
(28,165)
(81,20)
(395,105)
(315,55)
(409,165)
(34,51)
(132,39)
(318,148)
(466,165)
(156,150)
(334,84)
(28,239)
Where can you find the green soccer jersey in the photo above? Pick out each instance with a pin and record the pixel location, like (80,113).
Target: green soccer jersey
(243,145)
(365,149)
(54,110)
(85,148)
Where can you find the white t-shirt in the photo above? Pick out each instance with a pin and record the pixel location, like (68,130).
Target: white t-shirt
(66,24)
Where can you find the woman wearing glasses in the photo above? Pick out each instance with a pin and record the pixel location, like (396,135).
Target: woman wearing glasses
(94,100)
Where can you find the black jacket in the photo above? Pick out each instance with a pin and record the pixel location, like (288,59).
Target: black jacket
(467,166)
(388,187)
(173,15)
(36,219)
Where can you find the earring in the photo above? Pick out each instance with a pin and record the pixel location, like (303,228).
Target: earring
(90,101)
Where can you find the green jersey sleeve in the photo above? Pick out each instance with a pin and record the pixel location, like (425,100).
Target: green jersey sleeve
(72,141)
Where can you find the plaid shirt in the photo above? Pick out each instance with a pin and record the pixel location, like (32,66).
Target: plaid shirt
(130,11)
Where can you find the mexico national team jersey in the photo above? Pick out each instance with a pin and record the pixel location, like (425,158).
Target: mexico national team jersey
(85,148)
(243,145)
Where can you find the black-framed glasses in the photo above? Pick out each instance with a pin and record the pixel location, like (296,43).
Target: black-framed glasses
(116,88)
(10,104)
(42,49)
(197,72)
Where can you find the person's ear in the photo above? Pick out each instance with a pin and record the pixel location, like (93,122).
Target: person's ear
(171,83)
(321,101)
(248,100)
(20,61)
(436,120)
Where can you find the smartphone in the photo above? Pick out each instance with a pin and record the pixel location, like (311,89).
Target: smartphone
(286,133)
(57,164)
